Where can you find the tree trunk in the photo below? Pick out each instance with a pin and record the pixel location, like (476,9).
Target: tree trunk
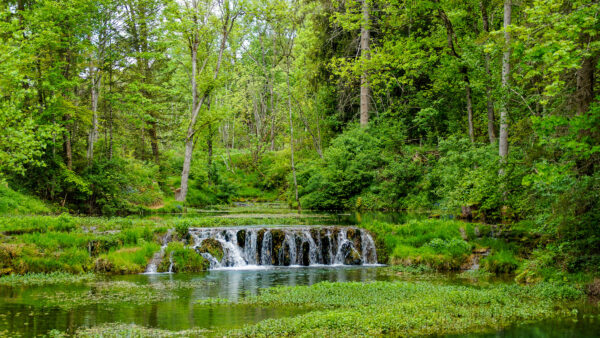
(67,143)
(584,95)
(503,144)
(488,87)
(292,135)
(93,134)
(209,145)
(181,193)
(153,132)
(364,81)
(463,69)
(469,108)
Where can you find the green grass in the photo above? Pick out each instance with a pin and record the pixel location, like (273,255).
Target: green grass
(443,245)
(405,308)
(185,259)
(435,243)
(16,203)
(127,260)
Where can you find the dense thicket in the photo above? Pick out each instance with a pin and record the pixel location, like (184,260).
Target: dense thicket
(483,107)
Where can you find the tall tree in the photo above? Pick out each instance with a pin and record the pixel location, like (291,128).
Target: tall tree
(195,20)
(488,86)
(365,92)
(503,143)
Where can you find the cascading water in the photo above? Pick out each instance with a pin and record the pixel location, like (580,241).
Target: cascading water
(284,246)
(157,258)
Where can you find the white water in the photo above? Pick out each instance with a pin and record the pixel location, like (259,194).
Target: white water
(285,246)
(157,258)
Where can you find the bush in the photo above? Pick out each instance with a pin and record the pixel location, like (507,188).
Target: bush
(348,167)
(127,260)
(502,261)
(16,203)
(185,259)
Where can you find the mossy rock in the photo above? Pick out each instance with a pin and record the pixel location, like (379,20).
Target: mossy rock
(352,257)
(278,237)
(103,265)
(241,238)
(354,235)
(213,247)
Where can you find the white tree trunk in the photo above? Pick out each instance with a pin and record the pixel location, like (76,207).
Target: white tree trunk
(503,147)
(364,81)
(292,135)
(93,134)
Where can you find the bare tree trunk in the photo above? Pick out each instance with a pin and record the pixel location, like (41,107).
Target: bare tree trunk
(584,95)
(209,145)
(469,109)
(153,131)
(488,87)
(93,134)
(67,143)
(292,135)
(503,144)
(364,81)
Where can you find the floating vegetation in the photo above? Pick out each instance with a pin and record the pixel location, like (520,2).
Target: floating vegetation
(31,279)
(131,331)
(406,308)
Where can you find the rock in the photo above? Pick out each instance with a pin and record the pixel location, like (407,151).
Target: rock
(305,249)
(354,235)
(241,238)
(213,247)
(353,257)
(278,238)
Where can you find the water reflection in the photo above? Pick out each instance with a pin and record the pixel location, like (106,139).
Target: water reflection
(24,312)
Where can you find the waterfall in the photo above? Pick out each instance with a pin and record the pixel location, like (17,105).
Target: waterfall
(250,249)
(282,246)
(158,257)
(342,247)
(369,253)
(314,252)
(267,247)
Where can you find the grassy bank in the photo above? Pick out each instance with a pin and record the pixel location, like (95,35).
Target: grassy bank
(443,245)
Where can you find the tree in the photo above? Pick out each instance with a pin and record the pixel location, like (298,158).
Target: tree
(365,96)
(195,21)
(503,143)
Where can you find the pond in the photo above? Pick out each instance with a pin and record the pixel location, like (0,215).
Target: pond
(169,301)
(35,310)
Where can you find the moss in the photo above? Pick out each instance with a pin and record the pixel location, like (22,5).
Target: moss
(213,247)
(184,259)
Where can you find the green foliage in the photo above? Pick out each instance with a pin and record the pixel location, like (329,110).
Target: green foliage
(126,260)
(348,168)
(435,243)
(502,261)
(185,259)
(15,203)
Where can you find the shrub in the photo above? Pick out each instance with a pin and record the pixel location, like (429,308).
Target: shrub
(185,259)
(502,261)
(126,260)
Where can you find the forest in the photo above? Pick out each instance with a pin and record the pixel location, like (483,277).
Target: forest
(424,149)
